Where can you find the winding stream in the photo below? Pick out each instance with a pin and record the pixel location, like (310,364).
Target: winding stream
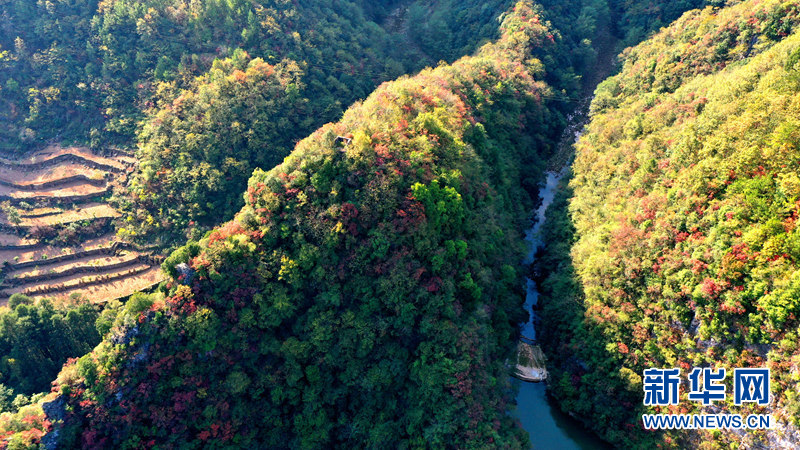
(547,425)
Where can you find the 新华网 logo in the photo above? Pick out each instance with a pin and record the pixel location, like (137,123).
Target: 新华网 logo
(662,388)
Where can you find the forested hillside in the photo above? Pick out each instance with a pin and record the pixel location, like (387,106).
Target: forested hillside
(198,144)
(197,153)
(108,73)
(367,293)
(368,289)
(248,111)
(87,70)
(677,243)
(64,330)
(635,20)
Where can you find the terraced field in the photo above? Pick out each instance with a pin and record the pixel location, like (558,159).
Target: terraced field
(56,231)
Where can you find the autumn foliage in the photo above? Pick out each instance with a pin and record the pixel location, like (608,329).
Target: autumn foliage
(366,293)
(677,243)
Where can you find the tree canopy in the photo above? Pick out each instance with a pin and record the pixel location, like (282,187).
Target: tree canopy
(366,293)
(677,244)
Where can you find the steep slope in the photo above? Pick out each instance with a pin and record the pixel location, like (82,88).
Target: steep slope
(194,159)
(675,244)
(199,144)
(116,72)
(365,295)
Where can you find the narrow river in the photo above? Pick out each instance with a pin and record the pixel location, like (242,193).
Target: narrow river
(548,427)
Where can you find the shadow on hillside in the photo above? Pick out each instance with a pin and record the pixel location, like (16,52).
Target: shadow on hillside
(587,378)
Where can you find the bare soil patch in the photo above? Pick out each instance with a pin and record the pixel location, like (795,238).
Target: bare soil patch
(74,188)
(66,285)
(64,266)
(47,251)
(118,288)
(49,154)
(54,191)
(95,211)
(12,239)
(22,175)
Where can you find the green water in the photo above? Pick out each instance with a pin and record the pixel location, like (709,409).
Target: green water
(548,427)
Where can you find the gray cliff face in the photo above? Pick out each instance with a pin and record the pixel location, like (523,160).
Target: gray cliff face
(55,411)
